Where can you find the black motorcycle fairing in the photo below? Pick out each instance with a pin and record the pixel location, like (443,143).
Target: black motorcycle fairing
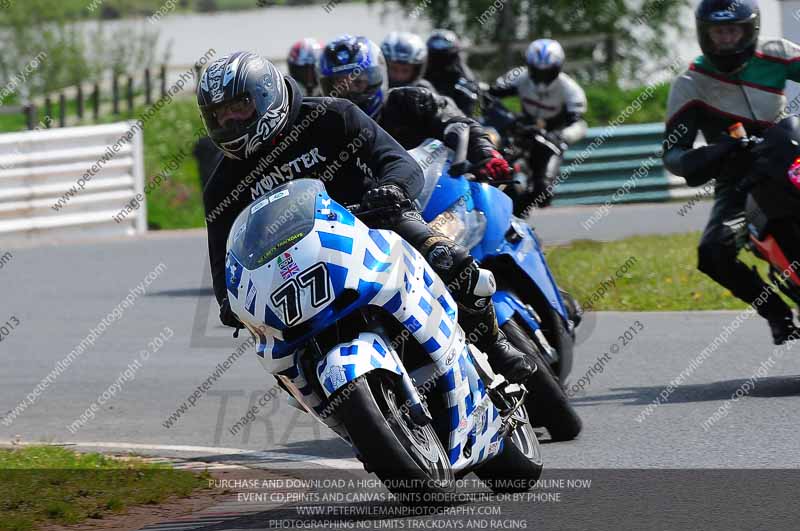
(780,148)
(757,218)
(773,193)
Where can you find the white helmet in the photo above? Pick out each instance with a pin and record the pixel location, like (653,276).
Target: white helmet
(545,58)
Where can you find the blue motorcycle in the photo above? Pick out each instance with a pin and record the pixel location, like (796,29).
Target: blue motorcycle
(537,317)
(364,335)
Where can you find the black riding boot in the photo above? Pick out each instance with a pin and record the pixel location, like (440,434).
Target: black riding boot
(481,330)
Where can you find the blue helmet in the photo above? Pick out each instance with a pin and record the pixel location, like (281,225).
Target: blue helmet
(443,50)
(354,68)
(728,31)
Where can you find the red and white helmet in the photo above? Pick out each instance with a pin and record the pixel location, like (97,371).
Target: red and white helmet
(302,61)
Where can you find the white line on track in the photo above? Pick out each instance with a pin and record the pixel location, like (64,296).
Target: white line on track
(262,456)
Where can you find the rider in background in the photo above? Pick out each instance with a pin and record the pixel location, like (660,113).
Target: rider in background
(414,111)
(406,56)
(448,73)
(302,61)
(410,114)
(739,78)
(551,101)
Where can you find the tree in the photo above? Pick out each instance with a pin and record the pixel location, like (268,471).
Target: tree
(622,33)
(71,43)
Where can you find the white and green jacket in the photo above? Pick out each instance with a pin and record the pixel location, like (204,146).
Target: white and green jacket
(705,99)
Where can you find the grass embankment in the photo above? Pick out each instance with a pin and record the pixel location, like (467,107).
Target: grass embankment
(169,138)
(662,276)
(52,485)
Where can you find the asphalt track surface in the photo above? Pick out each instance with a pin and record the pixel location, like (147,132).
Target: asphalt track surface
(669,468)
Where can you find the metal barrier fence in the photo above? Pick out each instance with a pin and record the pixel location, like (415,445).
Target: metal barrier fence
(70,182)
(621,165)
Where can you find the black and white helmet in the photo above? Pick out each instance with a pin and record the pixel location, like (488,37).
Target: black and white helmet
(245,103)
(405,48)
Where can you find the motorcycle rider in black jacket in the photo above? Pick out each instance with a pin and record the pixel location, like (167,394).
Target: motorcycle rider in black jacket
(412,114)
(270,135)
(448,73)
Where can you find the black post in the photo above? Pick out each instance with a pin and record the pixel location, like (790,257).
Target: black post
(611,59)
(148,95)
(163,80)
(62,110)
(48,111)
(30,115)
(96,101)
(80,102)
(115,94)
(130,94)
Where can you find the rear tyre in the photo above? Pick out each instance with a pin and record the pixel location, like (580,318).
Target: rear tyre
(517,467)
(408,458)
(547,402)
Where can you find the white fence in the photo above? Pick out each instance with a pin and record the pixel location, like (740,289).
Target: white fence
(69,182)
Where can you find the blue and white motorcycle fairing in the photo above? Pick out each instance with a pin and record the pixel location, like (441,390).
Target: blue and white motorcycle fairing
(298,262)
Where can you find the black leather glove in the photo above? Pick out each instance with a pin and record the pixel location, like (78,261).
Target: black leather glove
(383,196)
(710,159)
(226,315)
(405,102)
(524,130)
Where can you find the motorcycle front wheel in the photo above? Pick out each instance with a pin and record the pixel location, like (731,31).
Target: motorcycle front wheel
(518,465)
(408,458)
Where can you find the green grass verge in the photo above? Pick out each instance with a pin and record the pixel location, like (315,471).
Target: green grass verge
(169,138)
(52,485)
(662,274)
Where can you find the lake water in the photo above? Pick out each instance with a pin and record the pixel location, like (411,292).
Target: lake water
(271,31)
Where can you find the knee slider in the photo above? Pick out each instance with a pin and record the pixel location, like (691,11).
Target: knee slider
(486,285)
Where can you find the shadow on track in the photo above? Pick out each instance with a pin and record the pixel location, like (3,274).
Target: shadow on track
(770,387)
(186,292)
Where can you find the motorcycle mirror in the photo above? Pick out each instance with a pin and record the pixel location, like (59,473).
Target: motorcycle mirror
(460,168)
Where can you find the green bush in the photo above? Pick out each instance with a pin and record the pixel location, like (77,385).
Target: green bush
(607,102)
(169,139)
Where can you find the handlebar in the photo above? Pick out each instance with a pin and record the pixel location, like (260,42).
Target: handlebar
(457,136)
(356,208)
(745,184)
